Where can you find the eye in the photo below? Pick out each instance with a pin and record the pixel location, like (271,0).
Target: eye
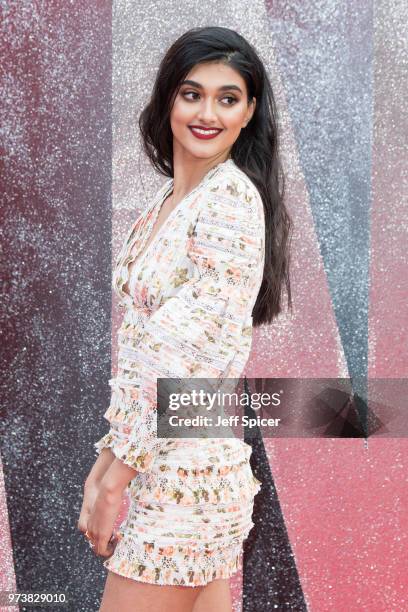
(230,98)
(185,94)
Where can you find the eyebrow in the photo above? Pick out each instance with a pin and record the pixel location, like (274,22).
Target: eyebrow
(222,88)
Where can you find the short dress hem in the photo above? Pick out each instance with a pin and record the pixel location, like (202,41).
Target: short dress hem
(224,568)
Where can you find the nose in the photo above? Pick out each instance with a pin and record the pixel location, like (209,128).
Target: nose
(207,113)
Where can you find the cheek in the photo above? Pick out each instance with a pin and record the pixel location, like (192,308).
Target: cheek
(180,113)
(234,119)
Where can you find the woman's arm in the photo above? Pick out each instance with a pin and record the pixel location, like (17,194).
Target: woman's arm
(101,465)
(116,477)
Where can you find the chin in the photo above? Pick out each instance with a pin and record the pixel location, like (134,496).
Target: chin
(202,152)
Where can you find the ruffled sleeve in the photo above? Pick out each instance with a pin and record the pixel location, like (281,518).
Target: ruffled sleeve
(198,332)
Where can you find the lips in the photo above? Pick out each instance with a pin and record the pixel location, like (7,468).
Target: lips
(204,133)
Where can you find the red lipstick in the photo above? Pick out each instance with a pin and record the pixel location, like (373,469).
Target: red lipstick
(204,133)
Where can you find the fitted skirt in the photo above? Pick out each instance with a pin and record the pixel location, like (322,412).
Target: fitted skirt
(186,526)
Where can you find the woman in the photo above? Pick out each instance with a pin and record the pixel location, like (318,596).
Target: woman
(200,267)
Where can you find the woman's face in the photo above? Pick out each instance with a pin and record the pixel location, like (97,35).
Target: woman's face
(212,96)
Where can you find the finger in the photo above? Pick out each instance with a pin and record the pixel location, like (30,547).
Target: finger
(81,525)
(106,549)
(83,519)
(110,549)
(114,536)
(89,536)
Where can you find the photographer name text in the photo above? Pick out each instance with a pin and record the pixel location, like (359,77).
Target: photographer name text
(230,421)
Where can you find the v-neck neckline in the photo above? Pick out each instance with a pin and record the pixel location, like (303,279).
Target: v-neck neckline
(141,253)
(156,209)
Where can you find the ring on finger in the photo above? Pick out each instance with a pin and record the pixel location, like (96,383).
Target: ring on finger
(88,537)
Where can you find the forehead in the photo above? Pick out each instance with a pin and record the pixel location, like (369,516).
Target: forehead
(212,75)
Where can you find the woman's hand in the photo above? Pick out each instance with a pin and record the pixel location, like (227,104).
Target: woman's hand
(101,521)
(92,484)
(103,494)
(91,490)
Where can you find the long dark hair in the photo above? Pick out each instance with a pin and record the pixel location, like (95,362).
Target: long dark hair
(255,152)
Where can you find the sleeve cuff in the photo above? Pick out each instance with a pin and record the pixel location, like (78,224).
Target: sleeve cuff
(125,449)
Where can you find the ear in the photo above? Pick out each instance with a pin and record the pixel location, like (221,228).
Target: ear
(250,112)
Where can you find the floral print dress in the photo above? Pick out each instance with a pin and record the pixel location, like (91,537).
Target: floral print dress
(187,314)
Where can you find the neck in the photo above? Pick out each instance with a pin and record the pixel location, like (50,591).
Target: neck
(188,172)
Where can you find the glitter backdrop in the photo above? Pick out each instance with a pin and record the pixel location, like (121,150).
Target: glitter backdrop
(331,531)
(56,262)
